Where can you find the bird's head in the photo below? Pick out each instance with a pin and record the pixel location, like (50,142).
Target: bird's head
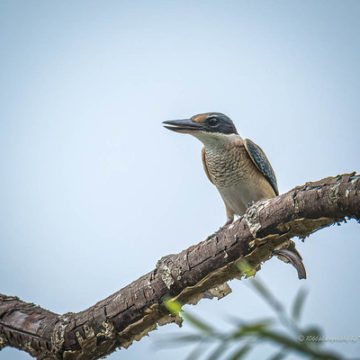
(207,127)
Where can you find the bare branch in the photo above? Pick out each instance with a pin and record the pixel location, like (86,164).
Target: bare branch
(197,272)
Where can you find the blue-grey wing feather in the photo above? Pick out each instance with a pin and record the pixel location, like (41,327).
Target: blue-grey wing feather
(259,158)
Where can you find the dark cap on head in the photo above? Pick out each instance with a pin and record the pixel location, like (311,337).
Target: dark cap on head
(213,122)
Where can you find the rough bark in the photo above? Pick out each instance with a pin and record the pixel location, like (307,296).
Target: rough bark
(199,271)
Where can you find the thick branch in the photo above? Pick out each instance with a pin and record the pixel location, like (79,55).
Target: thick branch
(199,271)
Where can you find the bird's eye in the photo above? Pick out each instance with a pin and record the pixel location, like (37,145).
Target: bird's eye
(212,121)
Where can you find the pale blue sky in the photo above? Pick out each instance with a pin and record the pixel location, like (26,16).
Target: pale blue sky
(94,191)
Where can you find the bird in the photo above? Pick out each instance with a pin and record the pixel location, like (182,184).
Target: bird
(238,167)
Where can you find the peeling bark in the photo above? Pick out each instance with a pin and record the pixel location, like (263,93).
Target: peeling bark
(199,271)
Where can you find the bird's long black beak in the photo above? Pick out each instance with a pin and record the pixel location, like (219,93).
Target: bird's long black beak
(183,126)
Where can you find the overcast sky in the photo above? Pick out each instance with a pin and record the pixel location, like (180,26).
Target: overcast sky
(93,191)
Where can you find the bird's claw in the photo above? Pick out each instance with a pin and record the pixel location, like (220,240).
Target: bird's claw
(293,257)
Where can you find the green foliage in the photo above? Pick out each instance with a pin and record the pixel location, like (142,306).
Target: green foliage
(246,269)
(298,304)
(282,330)
(176,309)
(173,306)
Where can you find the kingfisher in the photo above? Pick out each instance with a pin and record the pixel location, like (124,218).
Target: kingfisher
(237,167)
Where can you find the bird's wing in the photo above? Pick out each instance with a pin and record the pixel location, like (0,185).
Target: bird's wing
(204,164)
(259,158)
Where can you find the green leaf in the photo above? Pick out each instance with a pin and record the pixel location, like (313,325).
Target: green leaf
(173,306)
(312,331)
(266,294)
(246,268)
(298,304)
(311,336)
(278,356)
(184,339)
(286,341)
(218,351)
(199,324)
(196,353)
(240,353)
(240,322)
(300,347)
(251,328)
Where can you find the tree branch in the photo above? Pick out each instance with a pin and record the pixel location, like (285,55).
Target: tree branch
(197,272)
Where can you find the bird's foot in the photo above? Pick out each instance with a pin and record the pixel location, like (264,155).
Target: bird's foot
(292,256)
